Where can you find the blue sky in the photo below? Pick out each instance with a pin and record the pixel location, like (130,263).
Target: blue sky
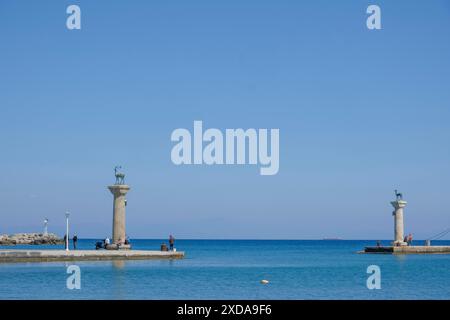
(360,113)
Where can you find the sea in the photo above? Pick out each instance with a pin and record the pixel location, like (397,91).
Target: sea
(233,269)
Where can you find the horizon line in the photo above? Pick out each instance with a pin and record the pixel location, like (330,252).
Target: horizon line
(261,239)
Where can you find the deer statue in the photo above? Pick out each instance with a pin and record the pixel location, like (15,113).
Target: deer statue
(120,177)
(398,195)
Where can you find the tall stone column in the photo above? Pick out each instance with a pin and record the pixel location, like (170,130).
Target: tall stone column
(398,222)
(119,191)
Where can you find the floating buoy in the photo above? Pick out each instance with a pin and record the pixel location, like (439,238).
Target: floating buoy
(264,281)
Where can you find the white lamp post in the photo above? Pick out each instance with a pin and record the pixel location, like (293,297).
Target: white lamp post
(67,230)
(45,226)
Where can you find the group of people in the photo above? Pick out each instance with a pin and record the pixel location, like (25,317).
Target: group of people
(107,241)
(74,241)
(408,239)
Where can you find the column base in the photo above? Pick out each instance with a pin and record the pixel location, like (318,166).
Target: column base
(399,243)
(118,247)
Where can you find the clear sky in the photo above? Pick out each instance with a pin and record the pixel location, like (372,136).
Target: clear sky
(360,113)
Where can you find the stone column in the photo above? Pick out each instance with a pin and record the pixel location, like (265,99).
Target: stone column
(119,191)
(398,222)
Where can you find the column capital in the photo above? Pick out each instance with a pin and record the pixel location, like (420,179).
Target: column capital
(119,189)
(398,204)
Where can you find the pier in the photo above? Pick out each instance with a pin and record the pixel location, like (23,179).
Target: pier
(7,256)
(409,249)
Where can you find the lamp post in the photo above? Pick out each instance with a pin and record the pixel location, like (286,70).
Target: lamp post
(67,230)
(45,226)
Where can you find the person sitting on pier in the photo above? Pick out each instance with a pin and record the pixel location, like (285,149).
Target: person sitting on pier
(106,242)
(99,245)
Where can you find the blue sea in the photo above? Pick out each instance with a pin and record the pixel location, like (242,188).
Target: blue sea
(232,269)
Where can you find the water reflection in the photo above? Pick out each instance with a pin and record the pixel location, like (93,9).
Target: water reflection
(118,264)
(118,279)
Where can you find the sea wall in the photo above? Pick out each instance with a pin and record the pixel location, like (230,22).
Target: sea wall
(29,238)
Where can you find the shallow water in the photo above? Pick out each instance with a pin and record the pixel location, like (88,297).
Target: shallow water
(232,269)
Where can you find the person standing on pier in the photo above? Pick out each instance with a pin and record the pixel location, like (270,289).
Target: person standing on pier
(171,242)
(75,241)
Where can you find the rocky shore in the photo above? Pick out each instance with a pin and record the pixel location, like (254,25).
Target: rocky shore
(30,238)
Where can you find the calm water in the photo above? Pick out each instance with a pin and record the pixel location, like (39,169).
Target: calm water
(232,269)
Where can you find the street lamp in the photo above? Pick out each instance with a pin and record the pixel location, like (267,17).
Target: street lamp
(67,230)
(45,226)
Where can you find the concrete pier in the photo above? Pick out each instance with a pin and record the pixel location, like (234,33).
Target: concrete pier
(409,250)
(119,191)
(8,256)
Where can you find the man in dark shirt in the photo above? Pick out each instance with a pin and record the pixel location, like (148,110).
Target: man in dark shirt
(75,240)
(171,242)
